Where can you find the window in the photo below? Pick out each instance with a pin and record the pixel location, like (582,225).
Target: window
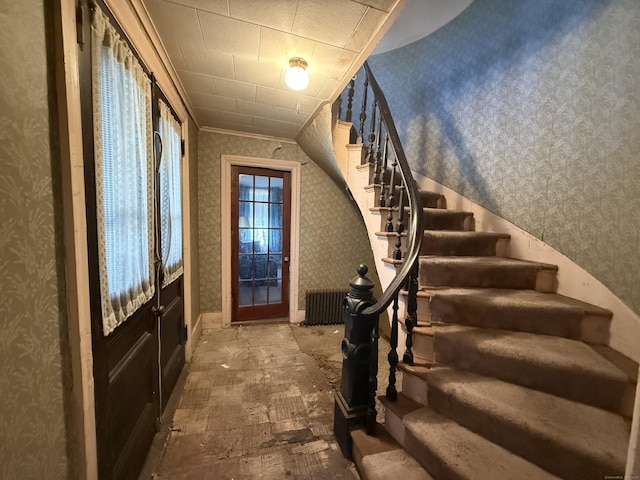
(124,180)
(170,196)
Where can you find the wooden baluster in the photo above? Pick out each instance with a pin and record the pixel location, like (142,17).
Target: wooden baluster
(372,134)
(392,392)
(397,253)
(350,99)
(383,171)
(363,111)
(391,198)
(373,380)
(377,164)
(337,105)
(411,320)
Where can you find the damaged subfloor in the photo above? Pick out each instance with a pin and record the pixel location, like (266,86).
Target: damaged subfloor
(258,403)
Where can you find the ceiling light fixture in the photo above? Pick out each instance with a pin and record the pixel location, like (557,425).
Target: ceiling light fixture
(297,77)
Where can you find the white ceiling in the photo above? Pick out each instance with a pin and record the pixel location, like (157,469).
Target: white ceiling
(231,55)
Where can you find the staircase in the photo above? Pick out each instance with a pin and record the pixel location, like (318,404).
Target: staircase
(509,380)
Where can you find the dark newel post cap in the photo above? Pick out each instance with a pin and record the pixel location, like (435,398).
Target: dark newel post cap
(361,285)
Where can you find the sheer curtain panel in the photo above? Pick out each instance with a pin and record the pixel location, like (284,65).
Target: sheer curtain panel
(124,179)
(170,196)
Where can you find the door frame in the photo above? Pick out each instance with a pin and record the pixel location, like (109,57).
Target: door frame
(226,162)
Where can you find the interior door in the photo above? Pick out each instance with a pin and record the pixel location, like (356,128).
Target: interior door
(260,239)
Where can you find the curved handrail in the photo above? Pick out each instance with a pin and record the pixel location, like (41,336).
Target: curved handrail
(415,203)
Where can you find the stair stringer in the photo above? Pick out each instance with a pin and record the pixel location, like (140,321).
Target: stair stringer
(358,181)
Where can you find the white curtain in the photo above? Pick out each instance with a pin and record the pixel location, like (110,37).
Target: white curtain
(124,179)
(170,196)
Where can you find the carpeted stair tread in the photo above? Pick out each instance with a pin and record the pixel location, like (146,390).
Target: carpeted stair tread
(556,365)
(460,243)
(379,456)
(567,438)
(517,310)
(486,272)
(393,464)
(442,219)
(448,450)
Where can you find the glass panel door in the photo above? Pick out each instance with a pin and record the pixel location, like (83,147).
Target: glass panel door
(260,234)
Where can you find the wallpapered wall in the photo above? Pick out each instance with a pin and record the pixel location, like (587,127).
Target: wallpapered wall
(532,109)
(316,140)
(333,241)
(193,200)
(34,365)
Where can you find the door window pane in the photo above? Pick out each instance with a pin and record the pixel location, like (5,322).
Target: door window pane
(245,293)
(260,293)
(261,193)
(275,263)
(275,292)
(246,187)
(245,263)
(261,267)
(275,241)
(245,219)
(275,215)
(276,189)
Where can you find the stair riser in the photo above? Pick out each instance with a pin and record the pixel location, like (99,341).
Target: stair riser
(485,276)
(574,384)
(414,387)
(429,200)
(432,245)
(393,424)
(423,348)
(433,219)
(433,200)
(545,452)
(448,220)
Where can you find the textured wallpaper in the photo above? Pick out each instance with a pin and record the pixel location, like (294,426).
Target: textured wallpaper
(333,240)
(34,367)
(194,232)
(532,109)
(316,141)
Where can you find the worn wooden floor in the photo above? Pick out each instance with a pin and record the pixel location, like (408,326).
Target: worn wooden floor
(255,406)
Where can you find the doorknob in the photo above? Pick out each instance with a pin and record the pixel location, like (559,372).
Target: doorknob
(285,259)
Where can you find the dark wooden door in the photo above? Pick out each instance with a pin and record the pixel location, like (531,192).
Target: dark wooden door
(172,337)
(260,239)
(171,326)
(135,367)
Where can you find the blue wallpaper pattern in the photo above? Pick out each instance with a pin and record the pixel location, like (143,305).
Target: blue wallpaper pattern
(532,109)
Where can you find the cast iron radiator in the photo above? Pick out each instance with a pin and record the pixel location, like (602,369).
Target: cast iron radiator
(324,307)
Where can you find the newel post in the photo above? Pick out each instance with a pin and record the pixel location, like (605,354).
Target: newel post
(352,400)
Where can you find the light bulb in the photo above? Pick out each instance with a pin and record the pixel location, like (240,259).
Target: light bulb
(297,77)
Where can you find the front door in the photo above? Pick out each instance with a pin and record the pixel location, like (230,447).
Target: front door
(260,232)
(137,320)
